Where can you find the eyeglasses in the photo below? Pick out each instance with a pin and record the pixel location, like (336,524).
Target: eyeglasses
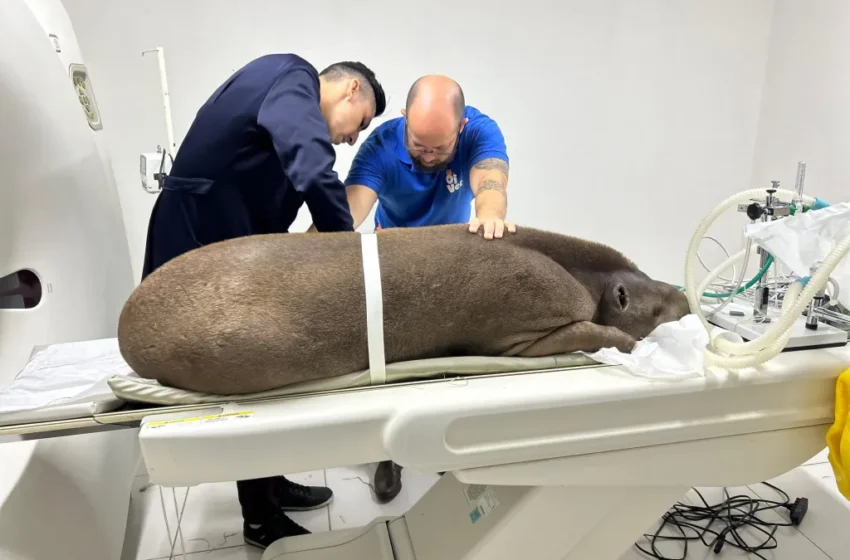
(429,151)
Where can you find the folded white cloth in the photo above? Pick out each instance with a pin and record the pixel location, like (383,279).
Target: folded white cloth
(672,351)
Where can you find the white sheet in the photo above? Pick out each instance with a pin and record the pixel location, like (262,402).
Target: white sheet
(671,352)
(64,381)
(807,238)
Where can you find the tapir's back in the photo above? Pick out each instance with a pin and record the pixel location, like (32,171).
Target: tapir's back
(261,312)
(241,304)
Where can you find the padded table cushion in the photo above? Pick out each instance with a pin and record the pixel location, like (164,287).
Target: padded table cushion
(136,389)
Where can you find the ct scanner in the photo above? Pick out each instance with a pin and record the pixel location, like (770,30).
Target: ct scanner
(62,234)
(569,463)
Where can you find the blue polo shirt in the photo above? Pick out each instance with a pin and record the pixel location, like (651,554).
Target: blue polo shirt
(408,197)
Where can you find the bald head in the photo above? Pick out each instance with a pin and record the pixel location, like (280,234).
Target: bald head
(436,98)
(433,122)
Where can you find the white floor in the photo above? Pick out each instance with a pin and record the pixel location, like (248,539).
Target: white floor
(212,524)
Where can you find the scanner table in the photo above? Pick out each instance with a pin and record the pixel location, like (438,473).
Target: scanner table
(565,464)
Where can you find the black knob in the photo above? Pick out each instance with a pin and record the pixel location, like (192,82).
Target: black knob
(755,211)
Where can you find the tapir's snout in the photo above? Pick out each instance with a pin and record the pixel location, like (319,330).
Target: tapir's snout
(678,303)
(674,305)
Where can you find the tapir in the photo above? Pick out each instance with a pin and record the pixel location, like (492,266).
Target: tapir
(261,312)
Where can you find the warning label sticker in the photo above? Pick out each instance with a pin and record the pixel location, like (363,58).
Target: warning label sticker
(211,419)
(483,500)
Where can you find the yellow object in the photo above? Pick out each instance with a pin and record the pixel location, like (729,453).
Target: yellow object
(240,415)
(838,438)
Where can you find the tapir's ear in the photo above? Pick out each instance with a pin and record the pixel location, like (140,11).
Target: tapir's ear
(620,297)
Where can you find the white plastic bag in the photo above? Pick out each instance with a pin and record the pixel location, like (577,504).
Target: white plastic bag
(804,239)
(672,351)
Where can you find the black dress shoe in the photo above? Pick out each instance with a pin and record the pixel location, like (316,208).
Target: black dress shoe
(387,481)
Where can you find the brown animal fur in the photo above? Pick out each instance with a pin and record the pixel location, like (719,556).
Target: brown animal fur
(258,313)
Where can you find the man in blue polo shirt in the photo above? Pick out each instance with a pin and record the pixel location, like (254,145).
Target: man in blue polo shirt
(426,168)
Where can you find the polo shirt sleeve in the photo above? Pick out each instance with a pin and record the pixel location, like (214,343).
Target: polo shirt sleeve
(367,169)
(486,141)
(290,114)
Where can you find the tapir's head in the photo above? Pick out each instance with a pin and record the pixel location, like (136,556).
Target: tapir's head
(636,304)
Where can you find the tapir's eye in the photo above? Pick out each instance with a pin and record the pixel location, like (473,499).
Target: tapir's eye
(657,311)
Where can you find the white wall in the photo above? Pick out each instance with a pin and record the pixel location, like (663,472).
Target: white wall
(625,121)
(806,105)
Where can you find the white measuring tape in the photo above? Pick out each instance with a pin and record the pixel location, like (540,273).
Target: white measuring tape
(374,309)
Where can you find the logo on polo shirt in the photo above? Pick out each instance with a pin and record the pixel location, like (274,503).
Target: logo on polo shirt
(453,182)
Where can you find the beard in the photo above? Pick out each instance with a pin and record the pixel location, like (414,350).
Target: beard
(433,167)
(428,168)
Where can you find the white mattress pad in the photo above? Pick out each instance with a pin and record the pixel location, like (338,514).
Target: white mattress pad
(81,379)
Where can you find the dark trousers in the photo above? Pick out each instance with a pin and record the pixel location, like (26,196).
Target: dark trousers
(177,226)
(258,498)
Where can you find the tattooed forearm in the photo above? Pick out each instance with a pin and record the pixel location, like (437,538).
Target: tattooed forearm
(491,185)
(492,163)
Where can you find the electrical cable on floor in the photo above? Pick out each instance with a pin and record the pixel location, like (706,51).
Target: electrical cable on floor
(722,524)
